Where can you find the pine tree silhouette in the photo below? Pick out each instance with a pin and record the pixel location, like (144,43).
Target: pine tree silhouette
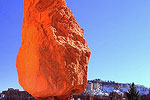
(132,93)
(112,95)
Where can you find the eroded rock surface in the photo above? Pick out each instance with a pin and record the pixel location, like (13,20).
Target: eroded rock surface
(53,59)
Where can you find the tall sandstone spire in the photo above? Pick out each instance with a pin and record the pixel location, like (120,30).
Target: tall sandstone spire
(53,59)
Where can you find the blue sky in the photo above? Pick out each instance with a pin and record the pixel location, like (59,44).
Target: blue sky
(117,32)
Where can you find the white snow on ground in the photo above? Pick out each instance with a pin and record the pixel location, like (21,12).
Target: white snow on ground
(105,90)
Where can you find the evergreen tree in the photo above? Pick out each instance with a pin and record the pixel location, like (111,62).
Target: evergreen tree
(112,95)
(132,93)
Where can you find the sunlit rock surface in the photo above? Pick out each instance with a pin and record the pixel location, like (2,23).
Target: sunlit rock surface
(53,59)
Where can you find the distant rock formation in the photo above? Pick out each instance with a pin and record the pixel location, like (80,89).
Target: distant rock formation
(103,88)
(53,59)
(15,94)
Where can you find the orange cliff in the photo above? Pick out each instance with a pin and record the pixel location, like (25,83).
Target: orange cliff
(53,59)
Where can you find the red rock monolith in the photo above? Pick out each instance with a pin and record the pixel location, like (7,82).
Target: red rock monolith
(53,59)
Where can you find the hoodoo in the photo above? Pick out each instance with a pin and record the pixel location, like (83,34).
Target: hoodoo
(53,59)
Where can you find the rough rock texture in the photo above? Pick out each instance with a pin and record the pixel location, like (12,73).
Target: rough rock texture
(53,59)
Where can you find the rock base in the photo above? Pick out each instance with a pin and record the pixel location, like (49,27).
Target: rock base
(55,98)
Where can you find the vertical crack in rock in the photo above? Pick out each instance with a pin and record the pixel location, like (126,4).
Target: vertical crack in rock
(53,58)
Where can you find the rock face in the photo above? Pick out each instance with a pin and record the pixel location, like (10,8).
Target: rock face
(15,94)
(53,59)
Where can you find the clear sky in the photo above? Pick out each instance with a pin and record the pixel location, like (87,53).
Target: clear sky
(117,32)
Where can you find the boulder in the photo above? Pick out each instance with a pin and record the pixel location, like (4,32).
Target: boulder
(53,59)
